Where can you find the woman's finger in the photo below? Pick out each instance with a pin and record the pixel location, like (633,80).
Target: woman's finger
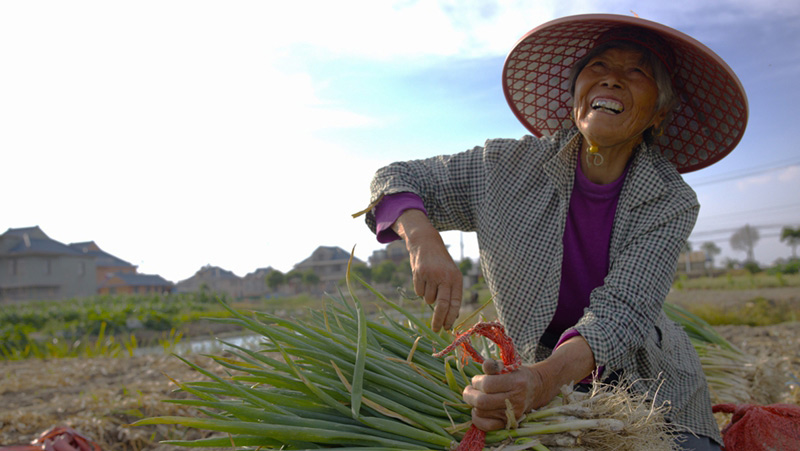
(455,304)
(485,423)
(429,293)
(440,311)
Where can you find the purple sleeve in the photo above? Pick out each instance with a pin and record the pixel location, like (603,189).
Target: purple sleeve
(574,333)
(389,209)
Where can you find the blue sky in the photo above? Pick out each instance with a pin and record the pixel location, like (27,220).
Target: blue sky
(242,134)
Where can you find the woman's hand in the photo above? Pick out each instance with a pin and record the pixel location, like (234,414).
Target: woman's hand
(529,387)
(437,279)
(526,388)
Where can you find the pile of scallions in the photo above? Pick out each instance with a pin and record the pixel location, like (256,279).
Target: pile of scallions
(341,379)
(731,373)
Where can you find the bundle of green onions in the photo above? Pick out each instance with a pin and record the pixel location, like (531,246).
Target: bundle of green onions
(346,381)
(730,372)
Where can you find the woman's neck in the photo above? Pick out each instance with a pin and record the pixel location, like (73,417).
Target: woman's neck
(605,165)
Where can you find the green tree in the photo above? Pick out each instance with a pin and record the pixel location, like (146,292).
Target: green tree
(310,279)
(792,238)
(295,279)
(363,271)
(745,239)
(465,266)
(711,250)
(384,272)
(275,279)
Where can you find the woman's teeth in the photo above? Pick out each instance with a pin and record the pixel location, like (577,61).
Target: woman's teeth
(608,105)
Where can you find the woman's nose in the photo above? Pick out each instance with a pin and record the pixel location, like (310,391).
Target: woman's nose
(611,83)
(612,79)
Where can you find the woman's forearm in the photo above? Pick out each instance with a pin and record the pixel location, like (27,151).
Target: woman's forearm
(435,275)
(569,363)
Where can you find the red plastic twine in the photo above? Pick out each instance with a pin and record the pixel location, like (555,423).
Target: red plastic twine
(475,439)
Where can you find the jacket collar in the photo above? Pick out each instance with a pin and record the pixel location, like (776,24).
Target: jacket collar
(643,181)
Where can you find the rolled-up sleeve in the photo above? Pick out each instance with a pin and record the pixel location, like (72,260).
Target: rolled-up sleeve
(389,209)
(449,187)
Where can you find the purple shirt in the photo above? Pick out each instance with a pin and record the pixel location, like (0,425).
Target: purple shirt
(586,242)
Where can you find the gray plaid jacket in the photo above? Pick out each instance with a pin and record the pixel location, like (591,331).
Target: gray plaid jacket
(514,194)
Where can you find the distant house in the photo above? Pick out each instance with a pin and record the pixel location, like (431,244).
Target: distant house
(329,264)
(395,251)
(116,276)
(35,267)
(128,283)
(254,284)
(107,265)
(692,263)
(214,279)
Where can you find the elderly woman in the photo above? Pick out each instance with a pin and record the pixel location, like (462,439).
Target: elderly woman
(580,230)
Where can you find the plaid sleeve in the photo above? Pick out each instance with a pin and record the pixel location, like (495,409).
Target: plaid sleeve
(450,187)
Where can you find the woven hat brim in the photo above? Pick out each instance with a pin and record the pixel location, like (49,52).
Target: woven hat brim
(707,125)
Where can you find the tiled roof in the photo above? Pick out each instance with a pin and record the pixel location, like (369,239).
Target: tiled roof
(102,258)
(138,280)
(40,246)
(34,231)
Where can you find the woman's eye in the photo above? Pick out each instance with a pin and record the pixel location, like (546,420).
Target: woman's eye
(638,71)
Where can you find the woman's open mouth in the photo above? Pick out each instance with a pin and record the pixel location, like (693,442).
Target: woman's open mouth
(608,105)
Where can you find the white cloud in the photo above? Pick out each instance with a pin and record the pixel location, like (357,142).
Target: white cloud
(753,181)
(789,174)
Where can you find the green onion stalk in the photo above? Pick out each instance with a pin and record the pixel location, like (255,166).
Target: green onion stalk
(730,372)
(343,379)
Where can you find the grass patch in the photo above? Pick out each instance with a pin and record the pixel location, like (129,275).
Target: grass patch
(738,280)
(115,326)
(757,312)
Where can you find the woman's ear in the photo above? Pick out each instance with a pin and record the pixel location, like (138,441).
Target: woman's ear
(658,119)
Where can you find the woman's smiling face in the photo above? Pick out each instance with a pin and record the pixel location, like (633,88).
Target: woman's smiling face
(615,99)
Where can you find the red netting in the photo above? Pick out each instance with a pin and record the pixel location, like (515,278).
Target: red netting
(775,427)
(713,111)
(57,439)
(475,438)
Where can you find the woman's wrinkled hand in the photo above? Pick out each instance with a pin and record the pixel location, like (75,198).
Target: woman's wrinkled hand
(436,277)
(526,388)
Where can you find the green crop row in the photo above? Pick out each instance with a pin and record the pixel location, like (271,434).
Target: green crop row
(99,325)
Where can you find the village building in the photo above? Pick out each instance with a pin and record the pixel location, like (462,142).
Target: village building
(329,263)
(116,276)
(34,266)
(213,279)
(694,263)
(395,251)
(254,284)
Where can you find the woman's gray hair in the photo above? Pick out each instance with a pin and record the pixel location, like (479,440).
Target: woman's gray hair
(667,95)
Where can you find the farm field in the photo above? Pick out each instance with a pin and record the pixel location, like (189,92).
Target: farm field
(100,396)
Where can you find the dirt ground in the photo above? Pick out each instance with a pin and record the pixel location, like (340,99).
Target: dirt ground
(101,397)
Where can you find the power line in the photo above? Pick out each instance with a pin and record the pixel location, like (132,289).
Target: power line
(757,210)
(727,240)
(734,229)
(752,171)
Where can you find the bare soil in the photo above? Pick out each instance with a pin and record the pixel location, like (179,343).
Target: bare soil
(100,397)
